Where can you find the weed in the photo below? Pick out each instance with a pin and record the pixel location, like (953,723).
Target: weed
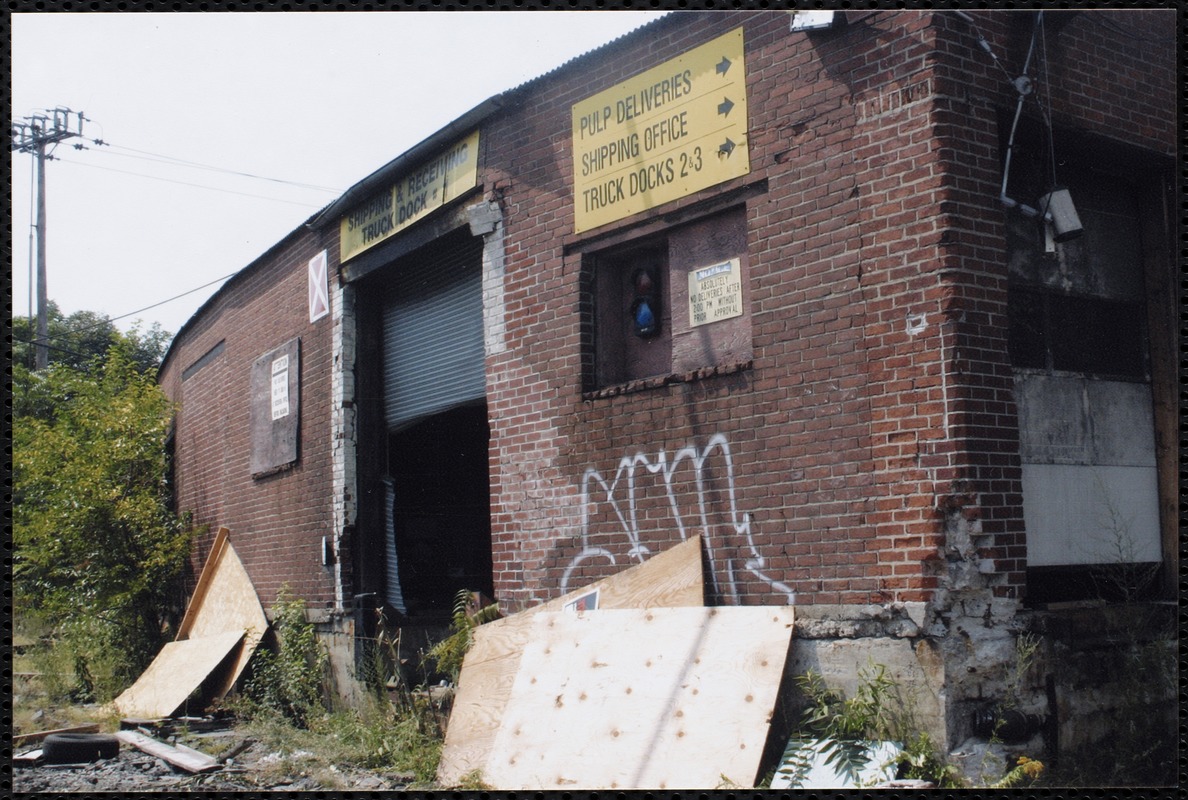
(289,680)
(843,730)
(468,615)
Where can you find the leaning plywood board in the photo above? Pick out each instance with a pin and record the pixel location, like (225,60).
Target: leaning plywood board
(225,600)
(660,698)
(671,578)
(179,669)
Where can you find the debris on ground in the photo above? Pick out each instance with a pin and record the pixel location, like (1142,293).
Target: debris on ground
(251,768)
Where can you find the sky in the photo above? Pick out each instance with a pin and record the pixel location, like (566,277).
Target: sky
(223,132)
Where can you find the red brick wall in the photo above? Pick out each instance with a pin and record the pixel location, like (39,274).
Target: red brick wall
(1102,82)
(870,449)
(276,522)
(867,452)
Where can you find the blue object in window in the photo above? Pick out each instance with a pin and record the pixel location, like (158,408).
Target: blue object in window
(645,308)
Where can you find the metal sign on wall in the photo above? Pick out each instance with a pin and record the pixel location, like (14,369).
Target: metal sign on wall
(417,193)
(664,134)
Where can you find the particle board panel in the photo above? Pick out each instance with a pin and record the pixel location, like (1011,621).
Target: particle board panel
(659,698)
(225,600)
(178,670)
(671,578)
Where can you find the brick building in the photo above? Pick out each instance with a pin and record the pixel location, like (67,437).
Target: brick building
(785,286)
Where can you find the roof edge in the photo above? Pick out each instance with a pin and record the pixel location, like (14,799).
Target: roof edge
(385,174)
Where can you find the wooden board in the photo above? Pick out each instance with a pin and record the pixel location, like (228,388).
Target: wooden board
(29,738)
(668,579)
(225,600)
(178,670)
(660,698)
(188,759)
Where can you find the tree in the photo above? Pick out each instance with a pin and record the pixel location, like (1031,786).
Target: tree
(97,550)
(82,338)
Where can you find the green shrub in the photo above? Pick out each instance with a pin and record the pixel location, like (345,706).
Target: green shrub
(97,552)
(289,680)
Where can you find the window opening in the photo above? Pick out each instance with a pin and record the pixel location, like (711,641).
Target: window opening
(669,305)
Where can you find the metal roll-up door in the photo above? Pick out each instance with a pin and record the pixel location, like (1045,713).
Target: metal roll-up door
(433,332)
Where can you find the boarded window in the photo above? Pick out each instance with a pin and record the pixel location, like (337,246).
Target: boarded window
(275,409)
(1079,345)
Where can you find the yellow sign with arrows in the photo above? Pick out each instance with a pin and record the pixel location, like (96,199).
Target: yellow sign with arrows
(664,134)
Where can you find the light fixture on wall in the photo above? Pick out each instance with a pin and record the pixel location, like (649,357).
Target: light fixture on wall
(817,20)
(1058,212)
(1061,223)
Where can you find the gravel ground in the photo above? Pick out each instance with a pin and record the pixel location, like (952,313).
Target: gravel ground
(253,769)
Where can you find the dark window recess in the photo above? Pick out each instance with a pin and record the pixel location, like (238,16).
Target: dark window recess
(636,304)
(1066,333)
(633,336)
(441,509)
(1112,583)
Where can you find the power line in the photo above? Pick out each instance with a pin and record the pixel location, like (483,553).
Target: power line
(146,308)
(1105,21)
(163,159)
(185,183)
(53,347)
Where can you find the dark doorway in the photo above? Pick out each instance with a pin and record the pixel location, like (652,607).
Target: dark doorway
(441,509)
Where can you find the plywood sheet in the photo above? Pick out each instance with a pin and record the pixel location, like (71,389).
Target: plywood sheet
(225,600)
(179,669)
(671,578)
(660,698)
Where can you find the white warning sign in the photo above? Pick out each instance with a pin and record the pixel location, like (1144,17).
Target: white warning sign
(280,388)
(715,293)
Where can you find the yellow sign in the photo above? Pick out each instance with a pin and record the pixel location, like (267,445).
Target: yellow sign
(664,134)
(415,195)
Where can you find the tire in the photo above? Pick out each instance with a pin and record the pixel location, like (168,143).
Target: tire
(79,748)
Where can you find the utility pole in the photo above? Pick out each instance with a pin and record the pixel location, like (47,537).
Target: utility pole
(38,134)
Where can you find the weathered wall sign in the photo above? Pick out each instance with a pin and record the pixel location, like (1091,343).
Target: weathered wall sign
(415,195)
(715,293)
(666,133)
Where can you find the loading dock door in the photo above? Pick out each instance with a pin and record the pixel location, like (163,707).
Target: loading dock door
(434,385)
(433,333)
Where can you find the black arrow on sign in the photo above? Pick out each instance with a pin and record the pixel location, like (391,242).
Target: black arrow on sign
(725,106)
(727,147)
(723,65)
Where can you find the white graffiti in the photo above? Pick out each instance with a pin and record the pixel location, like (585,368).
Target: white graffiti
(714,536)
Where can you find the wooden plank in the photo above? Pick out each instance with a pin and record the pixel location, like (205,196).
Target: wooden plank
(177,671)
(671,578)
(225,600)
(37,736)
(660,698)
(191,761)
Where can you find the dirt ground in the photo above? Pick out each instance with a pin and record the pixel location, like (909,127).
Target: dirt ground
(252,769)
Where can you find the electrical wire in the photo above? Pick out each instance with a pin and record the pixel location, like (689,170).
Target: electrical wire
(1045,99)
(1105,21)
(144,155)
(108,320)
(52,347)
(185,183)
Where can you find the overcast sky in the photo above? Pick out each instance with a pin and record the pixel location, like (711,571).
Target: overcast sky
(319,99)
